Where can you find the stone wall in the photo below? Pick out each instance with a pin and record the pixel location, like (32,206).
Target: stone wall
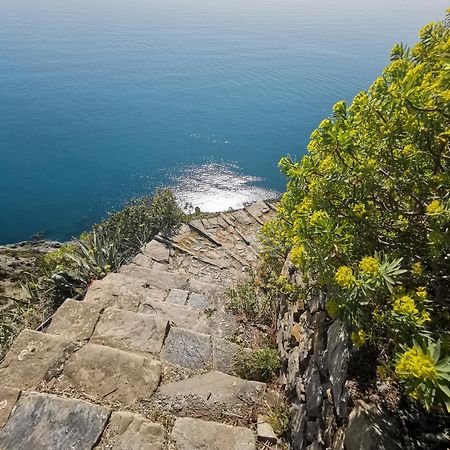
(315,353)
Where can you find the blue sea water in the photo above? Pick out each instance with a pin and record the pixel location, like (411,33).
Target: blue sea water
(104,100)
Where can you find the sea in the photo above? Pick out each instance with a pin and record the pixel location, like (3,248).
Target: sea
(103,101)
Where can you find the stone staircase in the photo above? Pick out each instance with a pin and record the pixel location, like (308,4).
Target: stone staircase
(143,362)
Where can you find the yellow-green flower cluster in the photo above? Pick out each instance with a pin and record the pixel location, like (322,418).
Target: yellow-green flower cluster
(415,364)
(297,255)
(359,338)
(344,277)
(360,210)
(317,216)
(370,266)
(405,306)
(417,268)
(435,208)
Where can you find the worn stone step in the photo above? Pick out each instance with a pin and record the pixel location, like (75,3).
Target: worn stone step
(75,320)
(194,350)
(213,387)
(30,358)
(128,431)
(196,434)
(122,292)
(178,315)
(157,251)
(130,331)
(188,348)
(44,422)
(8,398)
(107,373)
(155,277)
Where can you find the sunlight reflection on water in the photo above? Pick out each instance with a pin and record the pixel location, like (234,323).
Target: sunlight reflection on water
(217,187)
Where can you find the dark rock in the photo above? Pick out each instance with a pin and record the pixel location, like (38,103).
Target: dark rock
(337,360)
(298,423)
(43,422)
(313,390)
(371,428)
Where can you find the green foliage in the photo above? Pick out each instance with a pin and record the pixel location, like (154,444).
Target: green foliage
(278,414)
(250,302)
(261,365)
(367,211)
(129,229)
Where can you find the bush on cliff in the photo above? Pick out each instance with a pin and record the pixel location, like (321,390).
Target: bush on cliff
(367,214)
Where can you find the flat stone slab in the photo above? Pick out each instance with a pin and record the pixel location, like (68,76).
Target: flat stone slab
(214,387)
(195,434)
(8,398)
(187,348)
(198,301)
(128,431)
(224,355)
(111,374)
(177,297)
(75,320)
(133,332)
(157,251)
(180,316)
(30,357)
(116,290)
(156,278)
(44,422)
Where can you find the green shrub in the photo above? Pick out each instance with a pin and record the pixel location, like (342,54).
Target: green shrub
(367,211)
(249,301)
(261,365)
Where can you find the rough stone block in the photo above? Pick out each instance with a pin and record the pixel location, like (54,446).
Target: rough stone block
(224,354)
(43,422)
(214,387)
(75,320)
(198,301)
(128,431)
(177,297)
(181,316)
(371,428)
(157,251)
(105,372)
(265,431)
(187,348)
(8,398)
(156,278)
(30,357)
(133,332)
(195,434)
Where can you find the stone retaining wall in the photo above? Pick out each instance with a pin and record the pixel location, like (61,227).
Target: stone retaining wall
(315,353)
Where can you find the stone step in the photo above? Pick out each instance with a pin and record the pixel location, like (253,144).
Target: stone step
(122,292)
(155,277)
(44,422)
(75,320)
(128,431)
(198,351)
(196,434)
(130,331)
(31,356)
(212,388)
(8,398)
(107,373)
(178,315)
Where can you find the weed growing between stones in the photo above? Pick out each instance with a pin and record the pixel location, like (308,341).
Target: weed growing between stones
(262,364)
